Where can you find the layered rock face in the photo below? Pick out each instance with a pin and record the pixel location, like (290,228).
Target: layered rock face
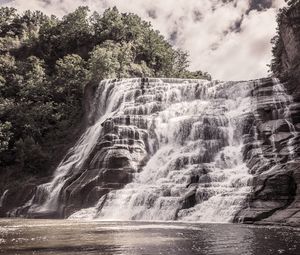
(271,152)
(171,149)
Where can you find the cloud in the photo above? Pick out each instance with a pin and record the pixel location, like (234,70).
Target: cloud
(228,38)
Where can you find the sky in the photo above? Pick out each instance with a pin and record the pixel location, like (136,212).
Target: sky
(230,39)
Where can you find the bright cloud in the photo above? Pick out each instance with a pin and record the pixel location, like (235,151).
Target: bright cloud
(228,38)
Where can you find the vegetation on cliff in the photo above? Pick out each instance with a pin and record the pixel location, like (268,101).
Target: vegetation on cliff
(46,62)
(278,65)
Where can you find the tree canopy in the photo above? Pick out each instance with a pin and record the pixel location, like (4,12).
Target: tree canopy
(277,65)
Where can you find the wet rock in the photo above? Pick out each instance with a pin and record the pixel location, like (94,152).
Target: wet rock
(94,195)
(189,201)
(274,192)
(120,176)
(17,198)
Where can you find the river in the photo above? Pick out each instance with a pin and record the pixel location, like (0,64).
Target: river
(61,237)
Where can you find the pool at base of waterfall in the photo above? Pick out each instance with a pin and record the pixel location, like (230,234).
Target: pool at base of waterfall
(26,236)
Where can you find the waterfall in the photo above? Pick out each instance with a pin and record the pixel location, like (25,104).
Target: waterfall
(171,149)
(105,101)
(196,170)
(3,197)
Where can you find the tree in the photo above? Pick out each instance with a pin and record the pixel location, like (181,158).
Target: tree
(30,23)
(31,156)
(5,135)
(71,77)
(8,70)
(33,82)
(180,63)
(134,28)
(103,62)
(70,35)
(277,66)
(109,26)
(75,29)
(7,16)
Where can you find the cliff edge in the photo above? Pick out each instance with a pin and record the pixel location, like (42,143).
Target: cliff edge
(276,194)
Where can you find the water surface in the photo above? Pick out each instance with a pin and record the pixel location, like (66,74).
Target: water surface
(23,236)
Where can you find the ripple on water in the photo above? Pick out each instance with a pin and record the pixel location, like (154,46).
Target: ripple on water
(65,237)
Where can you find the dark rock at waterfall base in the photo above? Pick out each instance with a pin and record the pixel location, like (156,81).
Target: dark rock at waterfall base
(16,198)
(274,198)
(44,215)
(120,176)
(87,189)
(94,195)
(189,201)
(195,178)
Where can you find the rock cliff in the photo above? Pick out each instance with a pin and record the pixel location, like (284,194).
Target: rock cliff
(272,154)
(276,195)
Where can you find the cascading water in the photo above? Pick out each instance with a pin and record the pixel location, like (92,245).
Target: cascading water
(3,197)
(196,171)
(284,100)
(170,149)
(47,196)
